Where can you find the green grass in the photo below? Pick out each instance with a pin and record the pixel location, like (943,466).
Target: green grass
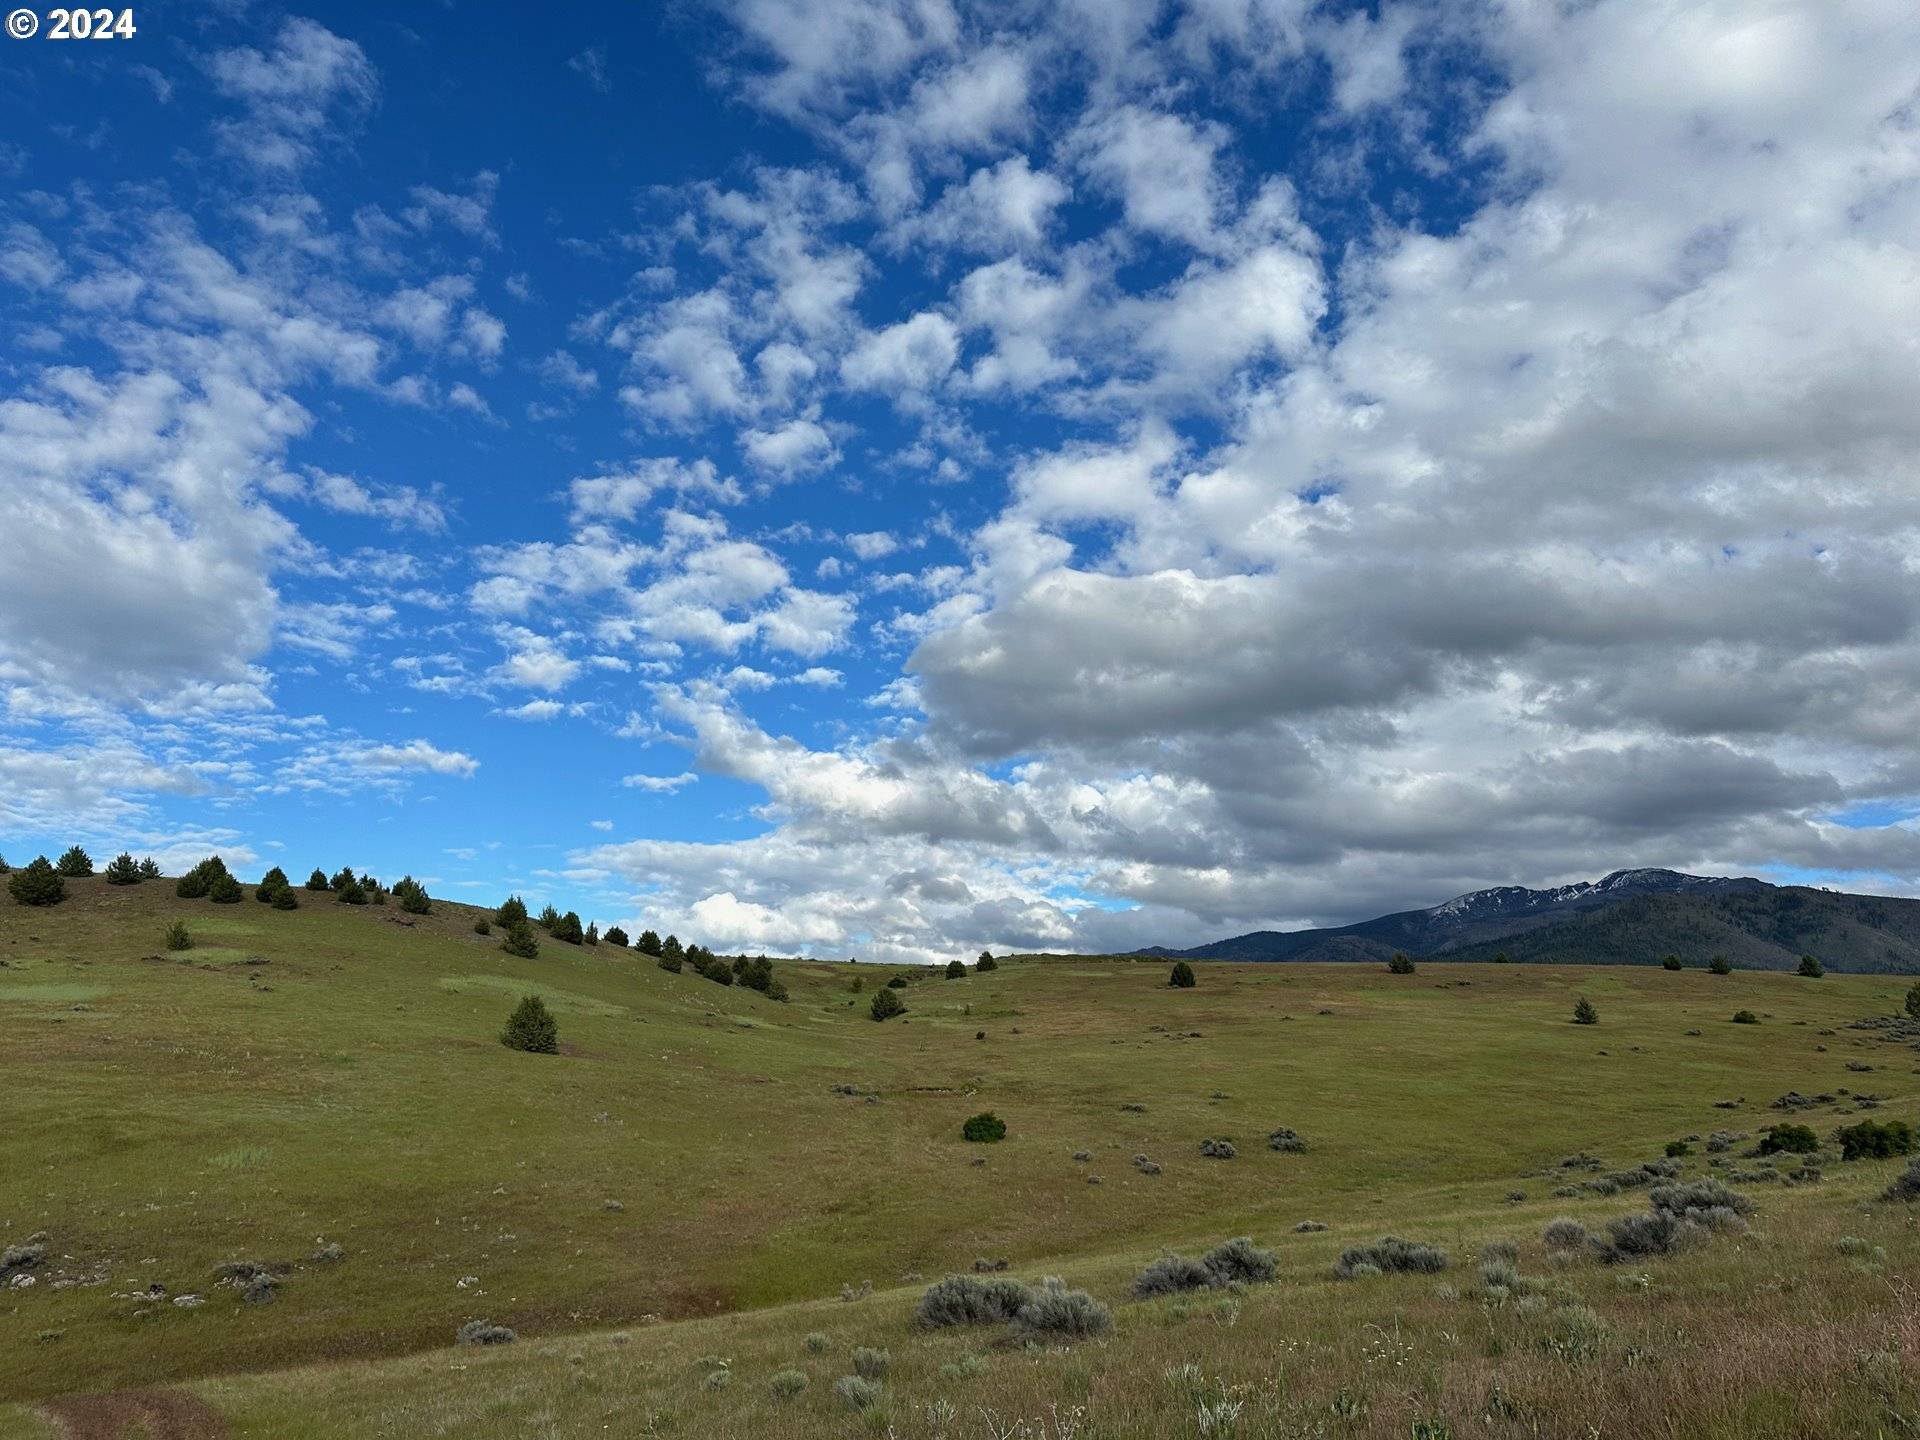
(352,1089)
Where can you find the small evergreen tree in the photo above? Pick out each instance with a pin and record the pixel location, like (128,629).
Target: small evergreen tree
(1719,965)
(1400,964)
(75,864)
(549,917)
(38,884)
(412,896)
(285,899)
(986,1128)
(148,869)
(1584,1013)
(887,1004)
(567,928)
(531,1028)
(483,926)
(342,878)
(1913,1001)
(956,970)
(671,949)
(1810,968)
(520,940)
(513,910)
(198,882)
(1182,977)
(122,870)
(592,937)
(271,885)
(318,880)
(352,893)
(1672,962)
(986,962)
(648,944)
(1500,958)
(177,936)
(223,889)
(4,867)
(616,936)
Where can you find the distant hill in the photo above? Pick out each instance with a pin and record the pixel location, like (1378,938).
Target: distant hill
(1631,917)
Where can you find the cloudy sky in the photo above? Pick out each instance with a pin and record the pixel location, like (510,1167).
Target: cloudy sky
(892,477)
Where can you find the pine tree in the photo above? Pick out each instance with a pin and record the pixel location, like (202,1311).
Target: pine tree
(122,870)
(268,891)
(177,936)
(285,899)
(1584,1013)
(671,955)
(520,940)
(76,864)
(318,880)
(986,962)
(148,869)
(648,944)
(1719,965)
(1913,1001)
(567,928)
(592,937)
(1672,962)
(223,889)
(351,893)
(1810,968)
(886,1004)
(531,1028)
(38,884)
(549,917)
(198,882)
(1182,977)
(413,896)
(342,878)
(956,970)
(512,911)
(1400,964)
(616,936)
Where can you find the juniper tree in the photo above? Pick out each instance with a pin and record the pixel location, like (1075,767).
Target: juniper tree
(197,883)
(887,1004)
(672,955)
(1400,964)
(272,885)
(616,936)
(520,940)
(592,937)
(223,889)
(1720,965)
(122,870)
(1584,1013)
(148,869)
(1810,968)
(352,893)
(648,944)
(38,884)
(549,917)
(75,864)
(1672,962)
(317,880)
(956,970)
(512,911)
(567,928)
(343,877)
(531,1028)
(177,936)
(986,961)
(1182,977)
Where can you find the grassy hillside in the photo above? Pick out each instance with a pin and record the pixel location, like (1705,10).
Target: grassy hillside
(686,1175)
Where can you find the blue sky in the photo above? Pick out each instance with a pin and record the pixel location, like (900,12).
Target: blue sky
(888,477)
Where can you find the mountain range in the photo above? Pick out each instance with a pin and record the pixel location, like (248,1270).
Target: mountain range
(1631,917)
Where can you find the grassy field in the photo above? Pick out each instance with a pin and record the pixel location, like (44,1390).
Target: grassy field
(684,1185)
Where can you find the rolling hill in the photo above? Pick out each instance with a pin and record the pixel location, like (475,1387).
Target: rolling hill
(1631,917)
